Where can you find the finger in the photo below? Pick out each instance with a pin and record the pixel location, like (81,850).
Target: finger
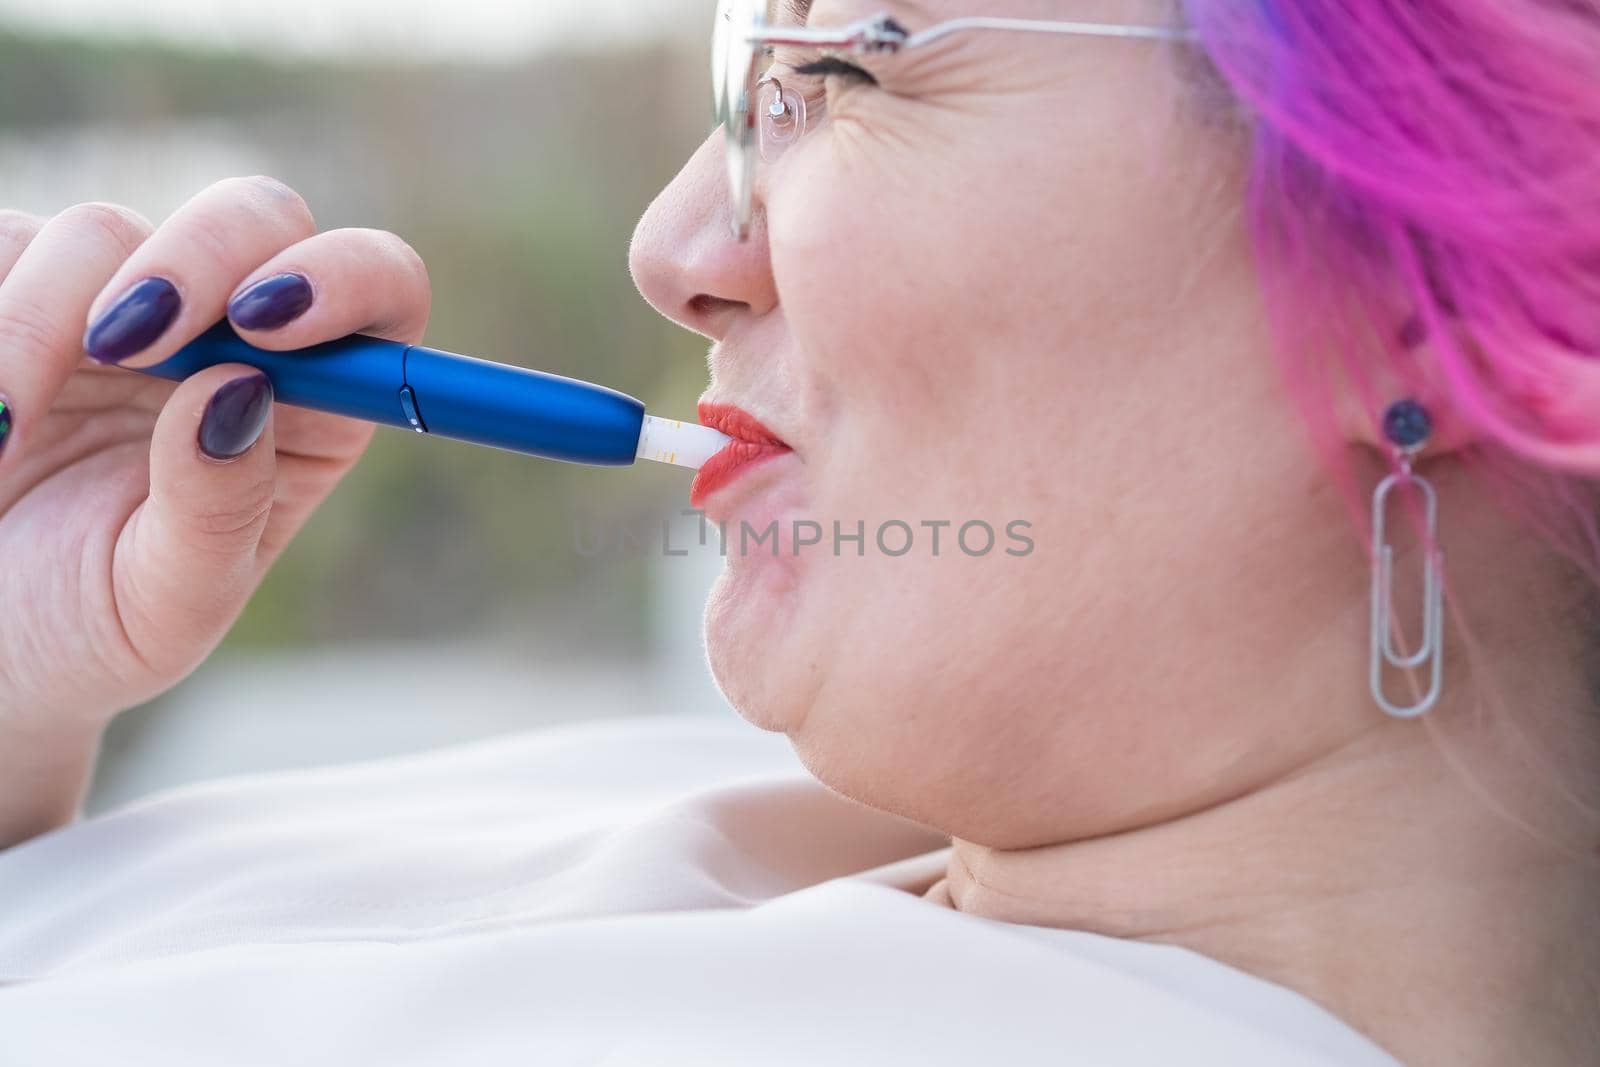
(309,473)
(17,231)
(177,284)
(43,301)
(333,284)
(187,557)
(327,286)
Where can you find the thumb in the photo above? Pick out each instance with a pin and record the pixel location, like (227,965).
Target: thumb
(191,563)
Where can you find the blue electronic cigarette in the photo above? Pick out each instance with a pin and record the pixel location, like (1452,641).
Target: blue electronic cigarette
(445,395)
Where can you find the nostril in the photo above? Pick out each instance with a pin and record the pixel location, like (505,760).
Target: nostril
(705,306)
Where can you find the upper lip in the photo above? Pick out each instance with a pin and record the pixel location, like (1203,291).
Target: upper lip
(737,423)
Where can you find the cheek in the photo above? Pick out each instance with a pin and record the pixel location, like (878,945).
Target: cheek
(877,305)
(886,254)
(1015,357)
(865,662)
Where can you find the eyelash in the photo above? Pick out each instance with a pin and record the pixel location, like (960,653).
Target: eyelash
(830,65)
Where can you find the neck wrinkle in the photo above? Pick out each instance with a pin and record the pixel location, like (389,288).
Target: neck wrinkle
(1374,882)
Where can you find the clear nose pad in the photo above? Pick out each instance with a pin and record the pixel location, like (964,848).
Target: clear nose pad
(782,117)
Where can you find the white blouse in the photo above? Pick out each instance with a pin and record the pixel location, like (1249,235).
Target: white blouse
(652,891)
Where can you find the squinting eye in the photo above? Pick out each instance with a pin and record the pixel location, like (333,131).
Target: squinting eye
(828,65)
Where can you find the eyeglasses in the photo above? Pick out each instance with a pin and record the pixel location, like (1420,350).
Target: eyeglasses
(755,111)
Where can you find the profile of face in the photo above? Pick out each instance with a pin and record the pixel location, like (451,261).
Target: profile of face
(1008,279)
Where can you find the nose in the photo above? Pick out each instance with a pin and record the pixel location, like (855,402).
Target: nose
(686,261)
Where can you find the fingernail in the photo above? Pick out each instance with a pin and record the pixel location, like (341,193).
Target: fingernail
(5,425)
(133,323)
(271,302)
(235,417)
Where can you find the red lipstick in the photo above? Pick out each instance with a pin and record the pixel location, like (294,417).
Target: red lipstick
(752,443)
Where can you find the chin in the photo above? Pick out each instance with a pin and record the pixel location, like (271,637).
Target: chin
(752,651)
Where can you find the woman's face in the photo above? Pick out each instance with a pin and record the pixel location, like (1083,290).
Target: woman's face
(1010,283)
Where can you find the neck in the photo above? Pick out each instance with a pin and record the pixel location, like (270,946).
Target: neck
(1386,882)
(1433,882)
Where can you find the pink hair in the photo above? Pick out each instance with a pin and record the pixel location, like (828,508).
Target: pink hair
(1440,159)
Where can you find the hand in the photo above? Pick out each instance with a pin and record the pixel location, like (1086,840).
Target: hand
(138,516)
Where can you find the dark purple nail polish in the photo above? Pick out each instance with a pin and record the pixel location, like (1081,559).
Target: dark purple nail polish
(133,323)
(271,302)
(5,424)
(235,416)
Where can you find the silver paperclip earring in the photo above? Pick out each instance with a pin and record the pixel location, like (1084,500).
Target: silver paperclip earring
(1406,425)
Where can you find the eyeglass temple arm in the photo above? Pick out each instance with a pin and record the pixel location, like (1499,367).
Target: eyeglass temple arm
(882,33)
(1081,29)
(864,34)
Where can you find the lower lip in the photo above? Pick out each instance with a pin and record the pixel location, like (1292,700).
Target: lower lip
(727,466)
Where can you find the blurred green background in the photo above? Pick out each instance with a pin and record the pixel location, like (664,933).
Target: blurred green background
(518,177)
